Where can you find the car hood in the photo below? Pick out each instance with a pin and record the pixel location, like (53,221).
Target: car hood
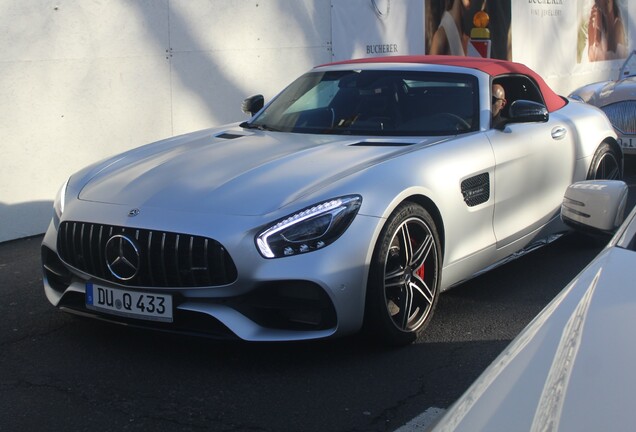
(571,369)
(608,92)
(235,171)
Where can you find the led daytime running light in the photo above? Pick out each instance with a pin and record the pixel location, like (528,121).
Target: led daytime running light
(263,240)
(305,214)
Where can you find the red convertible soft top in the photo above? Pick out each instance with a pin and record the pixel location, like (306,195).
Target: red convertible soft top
(492,67)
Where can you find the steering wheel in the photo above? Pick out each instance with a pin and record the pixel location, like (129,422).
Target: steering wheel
(453,121)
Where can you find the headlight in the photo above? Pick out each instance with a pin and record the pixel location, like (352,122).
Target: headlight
(310,229)
(60,200)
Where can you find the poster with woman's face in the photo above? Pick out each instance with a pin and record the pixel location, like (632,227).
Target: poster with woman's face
(602,30)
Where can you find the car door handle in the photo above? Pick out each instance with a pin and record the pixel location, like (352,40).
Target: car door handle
(558,132)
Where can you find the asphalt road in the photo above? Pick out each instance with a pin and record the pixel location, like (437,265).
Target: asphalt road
(58,372)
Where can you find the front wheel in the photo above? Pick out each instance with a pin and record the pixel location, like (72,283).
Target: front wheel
(404,277)
(606,164)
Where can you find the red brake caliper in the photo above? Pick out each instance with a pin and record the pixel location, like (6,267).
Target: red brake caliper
(420,272)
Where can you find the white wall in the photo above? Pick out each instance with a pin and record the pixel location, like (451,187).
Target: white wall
(84,79)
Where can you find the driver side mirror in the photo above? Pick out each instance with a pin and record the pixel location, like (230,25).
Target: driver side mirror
(253,104)
(525,111)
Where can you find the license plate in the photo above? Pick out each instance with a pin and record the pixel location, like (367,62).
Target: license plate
(132,304)
(627,143)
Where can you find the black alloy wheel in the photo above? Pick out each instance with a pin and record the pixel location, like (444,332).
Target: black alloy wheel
(404,277)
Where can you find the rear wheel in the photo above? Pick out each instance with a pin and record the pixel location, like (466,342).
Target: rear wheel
(404,277)
(606,164)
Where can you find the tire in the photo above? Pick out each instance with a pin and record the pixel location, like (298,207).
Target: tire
(606,164)
(404,277)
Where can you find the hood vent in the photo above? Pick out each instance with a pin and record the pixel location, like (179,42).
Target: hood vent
(227,135)
(382,144)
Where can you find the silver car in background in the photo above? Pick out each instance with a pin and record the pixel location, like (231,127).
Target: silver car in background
(350,201)
(617,98)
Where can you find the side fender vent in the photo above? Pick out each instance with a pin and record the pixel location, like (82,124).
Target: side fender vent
(476,190)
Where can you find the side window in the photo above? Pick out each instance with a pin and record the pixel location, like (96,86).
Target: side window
(519,87)
(515,87)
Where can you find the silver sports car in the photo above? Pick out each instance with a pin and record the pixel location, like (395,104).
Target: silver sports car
(617,98)
(350,201)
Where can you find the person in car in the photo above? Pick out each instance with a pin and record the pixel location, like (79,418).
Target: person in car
(498,103)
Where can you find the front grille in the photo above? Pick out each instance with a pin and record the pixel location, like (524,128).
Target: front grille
(622,117)
(165,259)
(288,305)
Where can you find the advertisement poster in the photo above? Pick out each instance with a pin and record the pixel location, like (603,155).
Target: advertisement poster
(449,24)
(602,30)
(574,42)
(568,42)
(544,34)
(371,28)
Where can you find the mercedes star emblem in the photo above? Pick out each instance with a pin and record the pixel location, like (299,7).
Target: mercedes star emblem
(122,257)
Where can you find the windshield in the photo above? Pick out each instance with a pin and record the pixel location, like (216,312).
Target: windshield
(629,67)
(372,102)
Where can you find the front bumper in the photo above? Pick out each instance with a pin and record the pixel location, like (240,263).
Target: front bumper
(311,296)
